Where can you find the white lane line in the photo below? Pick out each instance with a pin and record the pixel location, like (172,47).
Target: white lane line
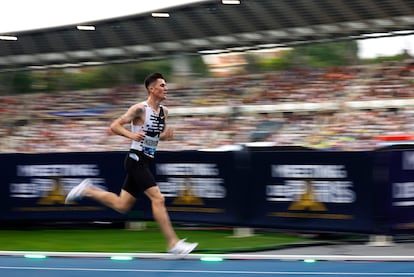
(383,258)
(313,273)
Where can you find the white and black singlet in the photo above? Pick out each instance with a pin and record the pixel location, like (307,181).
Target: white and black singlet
(153,125)
(141,154)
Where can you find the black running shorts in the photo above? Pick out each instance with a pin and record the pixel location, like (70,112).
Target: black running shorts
(139,176)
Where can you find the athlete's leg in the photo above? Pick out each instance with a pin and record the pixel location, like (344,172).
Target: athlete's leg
(161,215)
(121,203)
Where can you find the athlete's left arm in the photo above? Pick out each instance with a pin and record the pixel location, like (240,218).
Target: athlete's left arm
(168,133)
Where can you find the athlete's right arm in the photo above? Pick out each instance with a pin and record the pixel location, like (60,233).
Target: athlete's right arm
(134,114)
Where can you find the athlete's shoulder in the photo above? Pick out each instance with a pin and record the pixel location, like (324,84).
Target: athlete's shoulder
(140,105)
(136,111)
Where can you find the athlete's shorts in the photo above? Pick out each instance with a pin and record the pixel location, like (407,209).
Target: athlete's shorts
(139,176)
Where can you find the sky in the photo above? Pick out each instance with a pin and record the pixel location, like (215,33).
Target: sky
(19,15)
(371,48)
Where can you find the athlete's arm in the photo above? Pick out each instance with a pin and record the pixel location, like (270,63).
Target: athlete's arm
(134,114)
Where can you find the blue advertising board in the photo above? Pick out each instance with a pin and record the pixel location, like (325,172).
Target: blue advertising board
(312,190)
(399,191)
(200,186)
(358,192)
(34,186)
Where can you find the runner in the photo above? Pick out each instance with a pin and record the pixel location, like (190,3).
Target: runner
(148,126)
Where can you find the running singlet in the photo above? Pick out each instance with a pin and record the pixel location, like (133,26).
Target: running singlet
(153,126)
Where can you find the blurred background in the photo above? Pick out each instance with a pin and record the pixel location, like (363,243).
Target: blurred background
(334,77)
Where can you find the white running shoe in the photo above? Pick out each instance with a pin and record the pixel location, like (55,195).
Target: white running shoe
(182,247)
(76,192)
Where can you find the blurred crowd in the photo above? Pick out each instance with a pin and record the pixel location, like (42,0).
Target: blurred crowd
(342,108)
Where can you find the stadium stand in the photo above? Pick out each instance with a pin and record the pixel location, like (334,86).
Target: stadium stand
(345,108)
(369,102)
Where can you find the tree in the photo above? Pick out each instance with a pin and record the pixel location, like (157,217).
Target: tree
(312,55)
(328,54)
(20,82)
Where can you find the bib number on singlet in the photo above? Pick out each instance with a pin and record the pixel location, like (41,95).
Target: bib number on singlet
(150,145)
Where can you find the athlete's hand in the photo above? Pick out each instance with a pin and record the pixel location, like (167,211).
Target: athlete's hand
(138,136)
(168,134)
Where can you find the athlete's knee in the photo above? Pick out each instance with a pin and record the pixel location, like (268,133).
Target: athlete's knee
(158,200)
(123,203)
(122,207)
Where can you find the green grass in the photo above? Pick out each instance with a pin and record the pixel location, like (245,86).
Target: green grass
(147,240)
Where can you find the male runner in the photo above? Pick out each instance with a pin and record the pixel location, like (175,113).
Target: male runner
(148,122)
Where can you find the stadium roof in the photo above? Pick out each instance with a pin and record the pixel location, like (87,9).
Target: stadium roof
(205,27)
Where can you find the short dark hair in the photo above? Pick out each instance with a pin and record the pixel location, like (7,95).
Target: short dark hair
(152,78)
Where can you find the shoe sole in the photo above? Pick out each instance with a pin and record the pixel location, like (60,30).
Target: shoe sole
(76,191)
(183,255)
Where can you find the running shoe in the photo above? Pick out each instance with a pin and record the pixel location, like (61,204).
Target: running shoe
(76,192)
(182,247)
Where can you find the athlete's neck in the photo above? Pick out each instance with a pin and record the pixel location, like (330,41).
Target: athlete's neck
(154,104)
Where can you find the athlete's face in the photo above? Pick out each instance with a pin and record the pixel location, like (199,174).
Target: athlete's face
(159,88)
